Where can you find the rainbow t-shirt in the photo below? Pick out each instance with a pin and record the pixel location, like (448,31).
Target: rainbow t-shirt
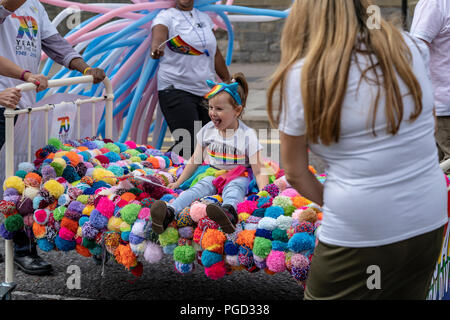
(228,153)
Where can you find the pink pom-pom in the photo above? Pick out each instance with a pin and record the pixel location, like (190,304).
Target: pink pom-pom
(276,261)
(198,211)
(290,192)
(79,240)
(299,261)
(66,234)
(131,144)
(216,271)
(153,253)
(144,214)
(106,207)
(41,216)
(247,206)
(296,214)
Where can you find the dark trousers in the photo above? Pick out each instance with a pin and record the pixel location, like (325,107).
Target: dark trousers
(182,110)
(24,243)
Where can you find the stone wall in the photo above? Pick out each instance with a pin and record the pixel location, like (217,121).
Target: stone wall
(256,42)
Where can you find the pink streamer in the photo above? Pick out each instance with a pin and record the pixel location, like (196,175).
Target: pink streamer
(141,108)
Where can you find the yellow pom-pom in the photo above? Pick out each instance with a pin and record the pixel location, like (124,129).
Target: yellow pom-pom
(79,232)
(60,161)
(243,216)
(55,188)
(14,182)
(87,210)
(114,224)
(104,175)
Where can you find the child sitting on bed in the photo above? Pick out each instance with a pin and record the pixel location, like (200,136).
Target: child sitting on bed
(225,143)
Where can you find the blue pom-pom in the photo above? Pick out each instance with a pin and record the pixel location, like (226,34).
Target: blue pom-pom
(83,220)
(45,245)
(64,245)
(209,258)
(167,197)
(183,267)
(279,245)
(112,156)
(231,248)
(274,212)
(122,146)
(89,191)
(36,202)
(170,248)
(100,184)
(125,236)
(134,166)
(263,233)
(262,201)
(5,234)
(135,239)
(301,241)
(97,220)
(118,171)
(96,251)
(125,170)
(260,212)
(70,174)
(253,197)
(26,166)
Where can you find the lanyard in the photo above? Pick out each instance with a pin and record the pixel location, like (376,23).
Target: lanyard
(199,24)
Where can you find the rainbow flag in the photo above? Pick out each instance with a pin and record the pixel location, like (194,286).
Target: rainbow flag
(178,45)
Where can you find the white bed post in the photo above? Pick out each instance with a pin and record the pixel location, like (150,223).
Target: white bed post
(9,284)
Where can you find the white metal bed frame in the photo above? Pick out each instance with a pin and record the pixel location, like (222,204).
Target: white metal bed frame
(8,286)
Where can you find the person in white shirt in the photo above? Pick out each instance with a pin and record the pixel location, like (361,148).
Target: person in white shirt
(184,41)
(25,31)
(431,23)
(360,98)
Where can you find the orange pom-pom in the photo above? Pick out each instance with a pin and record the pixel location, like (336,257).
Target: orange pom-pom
(213,240)
(83,148)
(154,162)
(246,238)
(39,230)
(197,235)
(320,215)
(125,256)
(128,196)
(32,179)
(299,201)
(69,224)
(83,251)
(73,157)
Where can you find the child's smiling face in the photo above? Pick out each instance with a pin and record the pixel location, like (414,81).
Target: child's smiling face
(223,113)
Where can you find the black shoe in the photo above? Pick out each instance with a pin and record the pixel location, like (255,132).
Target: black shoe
(1,258)
(225,216)
(33,264)
(161,215)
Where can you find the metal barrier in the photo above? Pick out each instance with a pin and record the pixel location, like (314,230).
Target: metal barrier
(8,286)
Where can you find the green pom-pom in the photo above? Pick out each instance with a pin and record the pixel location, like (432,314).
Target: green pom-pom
(130,212)
(55,142)
(112,147)
(135,191)
(280,235)
(289,210)
(59,212)
(96,250)
(169,236)
(184,254)
(262,247)
(83,198)
(90,244)
(21,174)
(132,152)
(135,159)
(14,223)
(66,148)
(59,169)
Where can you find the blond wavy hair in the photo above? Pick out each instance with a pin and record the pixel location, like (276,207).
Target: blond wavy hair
(327,34)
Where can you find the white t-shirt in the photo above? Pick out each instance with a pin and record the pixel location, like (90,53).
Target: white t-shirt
(21,34)
(228,153)
(379,190)
(432,23)
(187,72)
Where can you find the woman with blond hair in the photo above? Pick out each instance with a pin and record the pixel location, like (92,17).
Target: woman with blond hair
(360,98)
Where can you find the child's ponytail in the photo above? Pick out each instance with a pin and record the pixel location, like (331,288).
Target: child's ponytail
(243,87)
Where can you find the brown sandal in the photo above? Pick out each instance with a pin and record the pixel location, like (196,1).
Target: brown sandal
(219,215)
